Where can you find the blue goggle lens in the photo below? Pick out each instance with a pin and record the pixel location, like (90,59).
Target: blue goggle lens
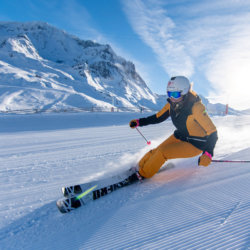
(174,94)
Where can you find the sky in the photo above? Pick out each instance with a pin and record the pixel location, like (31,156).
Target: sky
(208,41)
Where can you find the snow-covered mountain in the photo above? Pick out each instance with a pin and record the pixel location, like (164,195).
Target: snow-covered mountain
(42,67)
(218,108)
(246,111)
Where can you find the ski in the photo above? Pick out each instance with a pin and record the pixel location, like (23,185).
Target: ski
(79,188)
(66,205)
(78,195)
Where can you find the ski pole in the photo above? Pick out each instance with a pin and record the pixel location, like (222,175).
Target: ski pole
(148,142)
(231,161)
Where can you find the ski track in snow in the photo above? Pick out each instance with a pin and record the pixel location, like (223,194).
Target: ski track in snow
(185,207)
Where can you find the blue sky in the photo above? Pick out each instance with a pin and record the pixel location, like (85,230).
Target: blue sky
(208,40)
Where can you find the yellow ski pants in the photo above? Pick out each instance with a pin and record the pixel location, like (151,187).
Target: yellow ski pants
(171,148)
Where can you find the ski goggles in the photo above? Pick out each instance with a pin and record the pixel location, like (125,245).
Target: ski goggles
(174,94)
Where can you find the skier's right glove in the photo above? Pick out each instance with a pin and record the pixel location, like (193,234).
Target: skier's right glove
(205,159)
(134,123)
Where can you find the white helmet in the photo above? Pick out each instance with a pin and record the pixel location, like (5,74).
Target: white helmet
(179,84)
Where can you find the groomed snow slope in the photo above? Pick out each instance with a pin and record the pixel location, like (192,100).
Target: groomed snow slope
(185,207)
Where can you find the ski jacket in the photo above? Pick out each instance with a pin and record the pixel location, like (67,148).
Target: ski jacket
(192,122)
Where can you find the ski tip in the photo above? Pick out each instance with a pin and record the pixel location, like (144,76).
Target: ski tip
(71,191)
(67,192)
(61,208)
(65,205)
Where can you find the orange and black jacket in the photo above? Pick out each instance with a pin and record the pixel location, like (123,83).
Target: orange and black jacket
(192,122)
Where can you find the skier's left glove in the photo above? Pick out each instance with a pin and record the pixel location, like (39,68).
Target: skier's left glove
(134,123)
(205,159)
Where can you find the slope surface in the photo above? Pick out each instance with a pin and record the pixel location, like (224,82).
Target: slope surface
(187,207)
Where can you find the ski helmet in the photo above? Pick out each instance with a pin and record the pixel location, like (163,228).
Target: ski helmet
(178,84)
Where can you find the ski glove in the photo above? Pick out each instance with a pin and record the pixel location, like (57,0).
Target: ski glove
(205,159)
(134,123)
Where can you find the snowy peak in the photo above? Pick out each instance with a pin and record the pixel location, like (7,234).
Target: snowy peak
(45,68)
(83,73)
(218,108)
(19,44)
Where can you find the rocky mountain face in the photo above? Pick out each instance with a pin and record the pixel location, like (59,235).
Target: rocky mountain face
(42,67)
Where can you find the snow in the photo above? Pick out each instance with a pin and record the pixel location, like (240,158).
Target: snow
(44,68)
(185,207)
(41,60)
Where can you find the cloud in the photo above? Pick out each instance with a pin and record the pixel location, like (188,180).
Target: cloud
(229,69)
(208,38)
(150,21)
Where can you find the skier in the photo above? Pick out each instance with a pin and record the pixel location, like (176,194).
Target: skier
(195,133)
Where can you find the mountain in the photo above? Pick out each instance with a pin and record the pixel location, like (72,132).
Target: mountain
(217,108)
(45,68)
(246,112)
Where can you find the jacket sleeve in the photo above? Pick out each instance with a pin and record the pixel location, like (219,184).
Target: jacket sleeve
(161,116)
(201,116)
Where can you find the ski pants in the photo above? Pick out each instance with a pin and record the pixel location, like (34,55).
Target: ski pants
(171,148)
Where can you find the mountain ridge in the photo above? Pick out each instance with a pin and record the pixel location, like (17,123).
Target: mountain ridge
(44,68)
(89,72)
